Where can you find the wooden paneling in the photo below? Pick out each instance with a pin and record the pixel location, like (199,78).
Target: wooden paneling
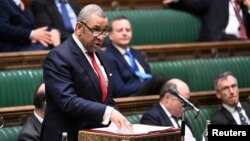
(34,59)
(22,60)
(118,4)
(195,50)
(128,106)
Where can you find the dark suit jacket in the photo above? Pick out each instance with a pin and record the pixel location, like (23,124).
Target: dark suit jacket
(15,26)
(73,92)
(157,116)
(224,117)
(47,13)
(214,14)
(126,83)
(31,130)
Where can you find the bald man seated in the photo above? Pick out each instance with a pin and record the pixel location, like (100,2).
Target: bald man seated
(169,110)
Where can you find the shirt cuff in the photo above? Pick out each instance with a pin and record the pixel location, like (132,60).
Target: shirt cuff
(107,115)
(31,34)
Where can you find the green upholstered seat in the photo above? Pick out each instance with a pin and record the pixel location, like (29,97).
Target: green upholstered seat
(17,86)
(198,124)
(9,133)
(134,119)
(160,26)
(200,73)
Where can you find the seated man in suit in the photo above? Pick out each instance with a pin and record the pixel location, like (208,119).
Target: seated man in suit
(32,128)
(232,112)
(170,109)
(59,14)
(221,19)
(19,30)
(131,73)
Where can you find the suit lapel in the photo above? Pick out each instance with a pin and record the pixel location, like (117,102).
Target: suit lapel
(228,116)
(120,57)
(246,108)
(164,117)
(53,9)
(86,66)
(140,59)
(74,6)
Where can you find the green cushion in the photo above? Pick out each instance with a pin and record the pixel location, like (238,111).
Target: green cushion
(160,26)
(9,133)
(200,73)
(198,124)
(17,86)
(134,119)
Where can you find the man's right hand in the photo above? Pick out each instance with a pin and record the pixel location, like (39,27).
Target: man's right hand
(41,35)
(120,121)
(166,2)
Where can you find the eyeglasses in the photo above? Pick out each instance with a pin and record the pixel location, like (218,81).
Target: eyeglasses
(96,32)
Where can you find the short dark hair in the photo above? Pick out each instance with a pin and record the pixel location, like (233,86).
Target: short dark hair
(39,98)
(222,76)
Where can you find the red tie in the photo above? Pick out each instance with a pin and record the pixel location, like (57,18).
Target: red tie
(242,29)
(100,76)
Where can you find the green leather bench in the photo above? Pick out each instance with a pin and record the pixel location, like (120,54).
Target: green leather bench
(9,133)
(160,26)
(17,86)
(197,124)
(200,73)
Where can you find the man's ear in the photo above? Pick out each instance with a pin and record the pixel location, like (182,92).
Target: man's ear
(218,95)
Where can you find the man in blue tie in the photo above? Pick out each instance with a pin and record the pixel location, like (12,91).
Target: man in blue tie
(131,73)
(233,112)
(59,14)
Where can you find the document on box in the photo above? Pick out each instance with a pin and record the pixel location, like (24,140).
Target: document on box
(137,129)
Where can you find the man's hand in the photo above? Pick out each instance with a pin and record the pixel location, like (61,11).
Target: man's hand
(41,35)
(166,2)
(120,121)
(55,37)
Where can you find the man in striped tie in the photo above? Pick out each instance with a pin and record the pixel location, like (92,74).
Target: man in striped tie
(221,19)
(232,112)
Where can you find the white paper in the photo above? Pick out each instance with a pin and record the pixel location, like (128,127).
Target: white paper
(137,129)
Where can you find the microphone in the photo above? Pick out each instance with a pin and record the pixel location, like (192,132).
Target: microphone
(174,92)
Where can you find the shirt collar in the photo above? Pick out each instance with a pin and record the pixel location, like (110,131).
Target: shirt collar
(230,108)
(40,119)
(165,110)
(121,50)
(79,43)
(17,2)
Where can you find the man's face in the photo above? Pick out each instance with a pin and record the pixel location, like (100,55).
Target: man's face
(85,32)
(228,91)
(121,33)
(176,107)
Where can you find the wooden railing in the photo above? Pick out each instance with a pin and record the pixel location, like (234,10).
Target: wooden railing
(195,50)
(22,60)
(128,106)
(117,4)
(34,59)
